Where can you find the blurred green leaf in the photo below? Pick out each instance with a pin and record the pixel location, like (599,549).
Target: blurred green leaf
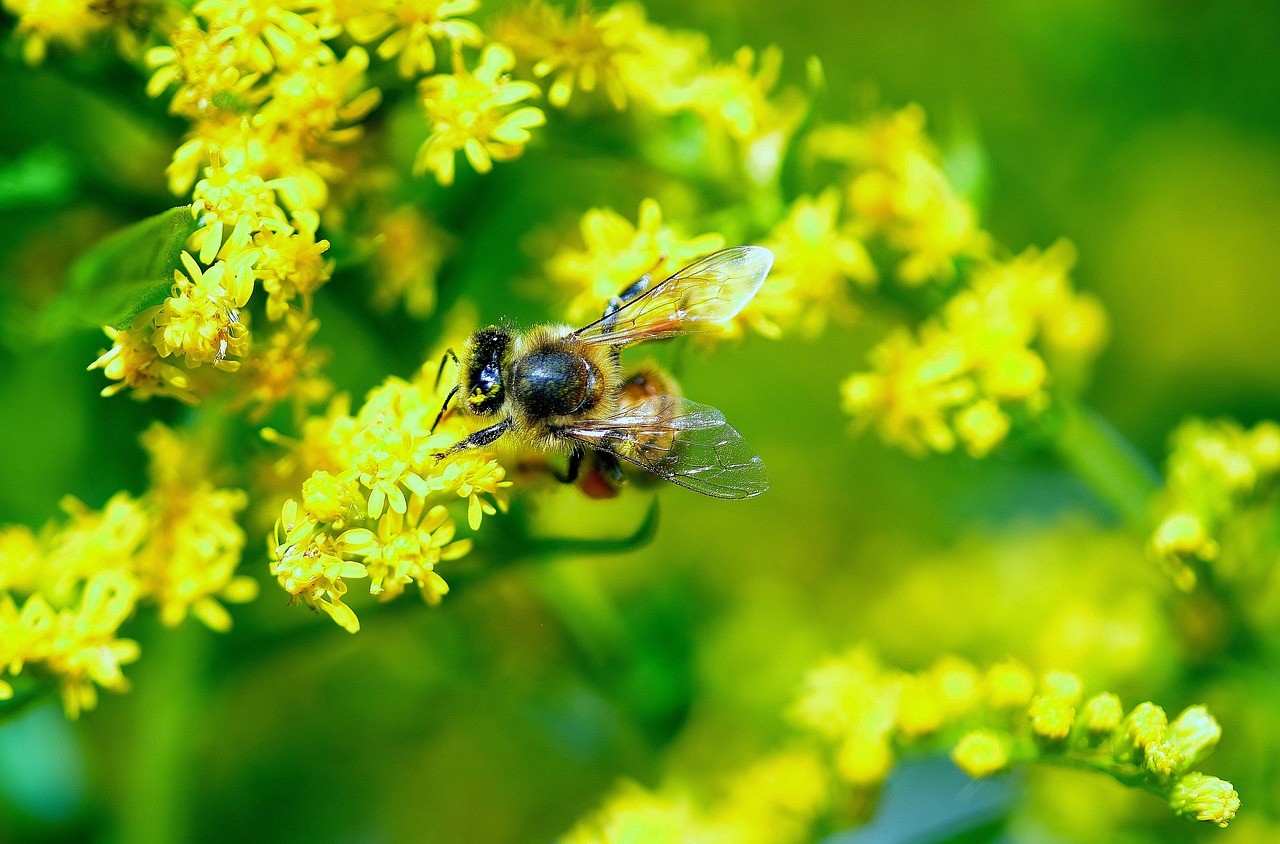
(42,176)
(123,275)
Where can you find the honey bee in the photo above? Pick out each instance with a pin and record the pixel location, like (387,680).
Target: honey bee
(561,389)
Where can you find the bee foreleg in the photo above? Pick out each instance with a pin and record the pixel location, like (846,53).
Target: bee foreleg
(479,439)
(448,353)
(444,407)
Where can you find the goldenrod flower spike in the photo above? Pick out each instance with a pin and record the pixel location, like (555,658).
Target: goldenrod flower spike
(863,712)
(375,502)
(176,547)
(1216,472)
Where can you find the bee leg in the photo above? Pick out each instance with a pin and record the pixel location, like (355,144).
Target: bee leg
(575,466)
(443,408)
(610,467)
(479,439)
(632,290)
(448,354)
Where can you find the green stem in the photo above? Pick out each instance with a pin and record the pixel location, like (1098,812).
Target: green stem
(159,774)
(1109,464)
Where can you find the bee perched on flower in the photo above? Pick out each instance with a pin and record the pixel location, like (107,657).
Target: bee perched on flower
(554,387)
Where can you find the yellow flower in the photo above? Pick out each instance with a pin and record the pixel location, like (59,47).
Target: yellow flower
(414,27)
(959,377)
(411,250)
(1101,714)
(470,111)
(580,49)
(283,366)
(291,265)
(309,565)
(736,94)
(1205,798)
(271,33)
(406,548)
(200,321)
(133,362)
(616,253)
(980,753)
(45,22)
(205,70)
(814,261)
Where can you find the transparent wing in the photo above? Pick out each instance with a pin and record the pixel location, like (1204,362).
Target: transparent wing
(705,293)
(682,441)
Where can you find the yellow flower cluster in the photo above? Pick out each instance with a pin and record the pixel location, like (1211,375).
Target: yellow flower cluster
(869,715)
(470,112)
(1216,471)
(815,258)
(633,60)
(964,374)
(268,101)
(67,22)
(410,29)
(897,191)
(777,800)
(177,547)
(373,505)
(616,253)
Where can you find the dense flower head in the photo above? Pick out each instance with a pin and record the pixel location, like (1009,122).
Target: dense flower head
(577,50)
(898,191)
(66,22)
(1217,471)
(269,102)
(177,547)
(962,377)
(470,111)
(815,260)
(615,253)
(776,800)
(853,704)
(375,502)
(410,29)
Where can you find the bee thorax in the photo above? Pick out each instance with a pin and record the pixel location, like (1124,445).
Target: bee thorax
(553,382)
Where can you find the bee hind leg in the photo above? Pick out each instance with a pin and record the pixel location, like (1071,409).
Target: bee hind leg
(576,457)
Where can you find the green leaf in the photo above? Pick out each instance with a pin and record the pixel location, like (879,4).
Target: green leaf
(124,274)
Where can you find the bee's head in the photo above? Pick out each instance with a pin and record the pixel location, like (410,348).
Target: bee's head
(484,360)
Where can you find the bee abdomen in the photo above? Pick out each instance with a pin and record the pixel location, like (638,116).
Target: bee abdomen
(553,382)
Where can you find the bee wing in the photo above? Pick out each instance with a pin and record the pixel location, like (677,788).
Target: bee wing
(681,441)
(707,292)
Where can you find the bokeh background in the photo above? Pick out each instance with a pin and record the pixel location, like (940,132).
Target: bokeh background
(1148,133)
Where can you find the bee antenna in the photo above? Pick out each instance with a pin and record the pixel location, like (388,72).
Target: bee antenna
(449,353)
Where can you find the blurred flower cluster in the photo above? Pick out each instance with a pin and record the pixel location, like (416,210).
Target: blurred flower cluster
(66,590)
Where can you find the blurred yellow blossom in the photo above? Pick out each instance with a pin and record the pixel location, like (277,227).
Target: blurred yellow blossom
(178,547)
(898,190)
(1216,472)
(410,29)
(963,375)
(814,262)
(66,22)
(581,49)
(854,701)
